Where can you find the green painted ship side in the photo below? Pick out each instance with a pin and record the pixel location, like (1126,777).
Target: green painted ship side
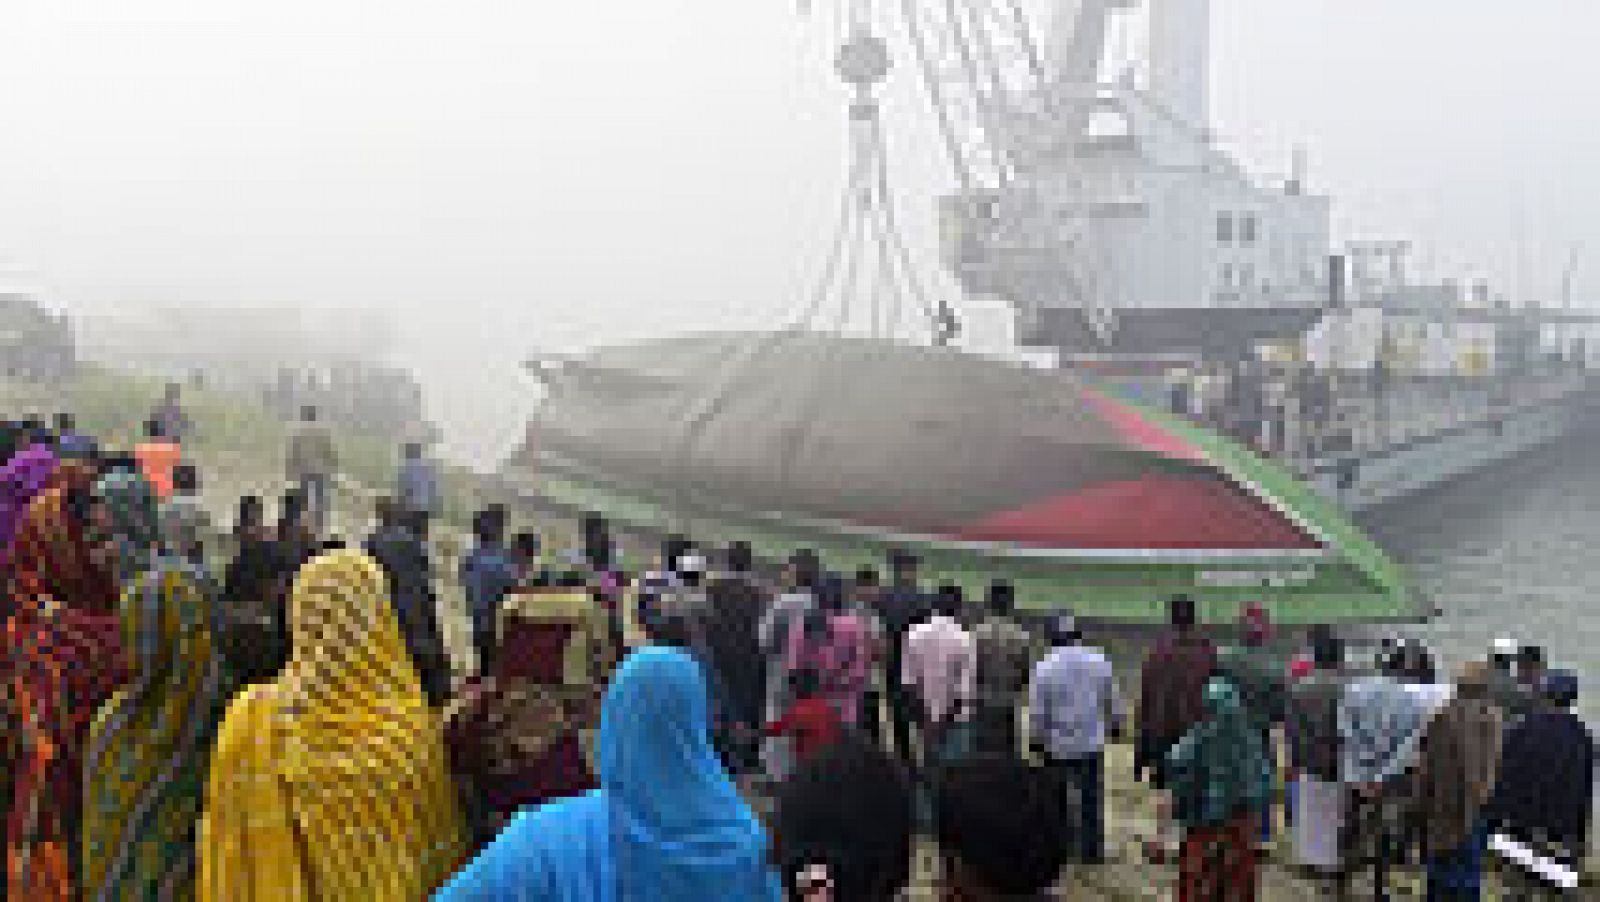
(1325,517)
(1363,587)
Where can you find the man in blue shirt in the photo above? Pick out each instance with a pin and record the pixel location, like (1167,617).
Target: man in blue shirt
(487,573)
(1073,705)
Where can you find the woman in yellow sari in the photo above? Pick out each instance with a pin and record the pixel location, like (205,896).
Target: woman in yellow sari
(330,782)
(144,772)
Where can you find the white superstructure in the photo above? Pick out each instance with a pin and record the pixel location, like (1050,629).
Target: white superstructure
(1119,197)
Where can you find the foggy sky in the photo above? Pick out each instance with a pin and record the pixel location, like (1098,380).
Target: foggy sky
(510,176)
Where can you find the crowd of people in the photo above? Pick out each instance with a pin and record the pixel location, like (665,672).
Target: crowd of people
(272,713)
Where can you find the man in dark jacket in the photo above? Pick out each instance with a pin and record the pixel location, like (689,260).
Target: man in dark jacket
(1311,730)
(902,606)
(400,546)
(735,605)
(1171,689)
(1544,795)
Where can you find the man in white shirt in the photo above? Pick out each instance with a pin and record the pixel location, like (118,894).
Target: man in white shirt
(1073,703)
(940,667)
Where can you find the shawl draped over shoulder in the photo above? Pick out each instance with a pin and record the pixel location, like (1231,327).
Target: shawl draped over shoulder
(330,782)
(521,735)
(1219,769)
(133,522)
(667,824)
(65,661)
(148,749)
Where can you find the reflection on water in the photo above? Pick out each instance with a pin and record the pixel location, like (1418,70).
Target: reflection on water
(1511,551)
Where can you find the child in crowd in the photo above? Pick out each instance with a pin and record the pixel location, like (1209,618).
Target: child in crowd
(842,828)
(810,720)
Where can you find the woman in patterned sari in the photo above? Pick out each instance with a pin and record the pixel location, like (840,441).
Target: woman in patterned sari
(144,771)
(519,736)
(330,782)
(26,473)
(66,659)
(125,525)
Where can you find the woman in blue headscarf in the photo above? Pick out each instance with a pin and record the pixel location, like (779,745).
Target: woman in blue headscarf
(666,825)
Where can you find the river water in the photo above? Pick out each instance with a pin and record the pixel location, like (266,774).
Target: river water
(1511,551)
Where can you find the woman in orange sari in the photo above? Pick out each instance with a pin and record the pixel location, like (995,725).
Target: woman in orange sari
(66,660)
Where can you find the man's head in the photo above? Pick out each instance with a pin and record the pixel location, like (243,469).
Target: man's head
(1472,677)
(866,581)
(739,557)
(949,600)
(251,513)
(185,479)
(1503,654)
(292,520)
(690,567)
(1001,829)
(387,511)
(173,392)
(308,413)
(121,462)
(412,450)
(903,567)
(673,547)
(805,682)
(805,569)
(1064,630)
(489,526)
(525,546)
(1255,626)
(1530,665)
(1327,652)
(66,423)
(597,550)
(1181,612)
(153,430)
(1001,600)
(1560,688)
(415,523)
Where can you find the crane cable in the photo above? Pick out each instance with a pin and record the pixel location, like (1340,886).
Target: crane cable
(930,80)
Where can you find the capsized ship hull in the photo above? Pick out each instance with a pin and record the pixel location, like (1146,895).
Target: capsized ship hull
(1086,502)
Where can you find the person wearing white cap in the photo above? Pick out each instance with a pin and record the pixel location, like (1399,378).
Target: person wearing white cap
(1503,688)
(685,602)
(1073,703)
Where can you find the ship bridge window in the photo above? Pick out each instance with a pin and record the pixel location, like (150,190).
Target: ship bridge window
(1248,228)
(1224,228)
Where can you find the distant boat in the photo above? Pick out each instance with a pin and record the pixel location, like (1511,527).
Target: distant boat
(987,469)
